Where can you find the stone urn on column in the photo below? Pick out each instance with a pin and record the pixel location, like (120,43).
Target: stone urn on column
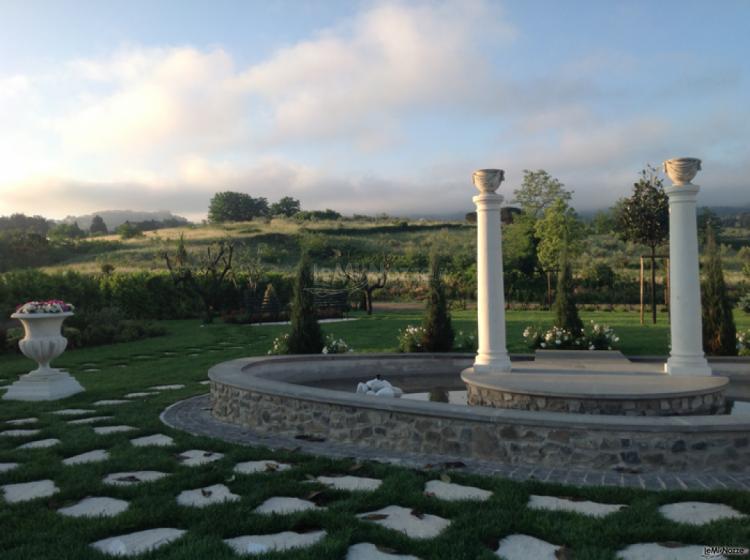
(686,356)
(492,355)
(43,342)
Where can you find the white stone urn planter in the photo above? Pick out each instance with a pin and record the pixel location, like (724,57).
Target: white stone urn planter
(43,342)
(682,170)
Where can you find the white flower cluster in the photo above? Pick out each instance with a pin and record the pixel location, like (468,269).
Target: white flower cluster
(410,339)
(336,346)
(600,337)
(280,345)
(743,343)
(51,306)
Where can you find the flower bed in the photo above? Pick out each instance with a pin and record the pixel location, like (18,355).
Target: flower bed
(596,337)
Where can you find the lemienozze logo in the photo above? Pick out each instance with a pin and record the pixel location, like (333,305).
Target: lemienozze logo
(714,551)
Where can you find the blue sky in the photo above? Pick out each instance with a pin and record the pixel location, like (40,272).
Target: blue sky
(363,106)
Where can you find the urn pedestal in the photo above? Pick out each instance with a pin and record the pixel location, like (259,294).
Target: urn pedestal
(43,342)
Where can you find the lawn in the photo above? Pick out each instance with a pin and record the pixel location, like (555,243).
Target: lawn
(34,530)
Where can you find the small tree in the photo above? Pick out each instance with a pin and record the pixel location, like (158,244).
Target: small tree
(286,206)
(366,275)
(305,336)
(98,226)
(644,218)
(719,330)
(438,331)
(539,190)
(566,312)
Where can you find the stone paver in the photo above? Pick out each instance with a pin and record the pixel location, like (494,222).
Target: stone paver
(132,477)
(5,467)
(193,415)
(105,430)
(19,433)
(72,411)
(25,491)
(521,547)
(94,456)
(282,505)
(156,440)
(137,543)
(95,507)
(350,483)
(140,394)
(368,551)
(202,497)
(252,467)
(89,420)
(698,513)
(40,444)
(111,402)
(455,492)
(22,421)
(585,507)
(256,544)
(198,457)
(172,387)
(414,524)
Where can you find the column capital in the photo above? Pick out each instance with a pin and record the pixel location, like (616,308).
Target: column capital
(682,192)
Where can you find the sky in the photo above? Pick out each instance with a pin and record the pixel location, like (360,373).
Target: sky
(364,106)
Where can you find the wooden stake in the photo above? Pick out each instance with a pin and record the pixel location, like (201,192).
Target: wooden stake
(641,290)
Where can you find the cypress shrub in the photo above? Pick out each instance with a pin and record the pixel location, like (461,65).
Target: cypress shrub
(719,330)
(566,312)
(438,331)
(305,336)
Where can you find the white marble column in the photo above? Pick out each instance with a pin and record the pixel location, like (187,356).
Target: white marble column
(686,356)
(492,355)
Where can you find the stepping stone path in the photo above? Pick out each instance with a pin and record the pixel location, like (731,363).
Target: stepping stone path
(414,524)
(698,513)
(5,467)
(95,507)
(91,370)
(202,497)
(90,420)
(40,444)
(141,394)
(72,411)
(133,477)
(110,402)
(94,456)
(104,430)
(455,492)
(251,467)
(663,551)
(19,433)
(26,491)
(197,457)
(350,483)
(368,551)
(521,547)
(285,505)
(137,543)
(156,440)
(255,544)
(22,421)
(167,387)
(585,507)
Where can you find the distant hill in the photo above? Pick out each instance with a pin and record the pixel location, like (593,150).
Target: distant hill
(114,218)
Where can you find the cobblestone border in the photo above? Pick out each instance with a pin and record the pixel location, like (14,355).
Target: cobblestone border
(193,415)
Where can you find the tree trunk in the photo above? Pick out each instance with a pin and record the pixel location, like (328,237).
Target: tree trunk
(641,286)
(653,284)
(368,300)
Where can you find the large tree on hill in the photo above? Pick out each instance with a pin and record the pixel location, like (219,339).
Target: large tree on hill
(98,226)
(644,219)
(538,191)
(231,206)
(286,206)
(305,336)
(719,329)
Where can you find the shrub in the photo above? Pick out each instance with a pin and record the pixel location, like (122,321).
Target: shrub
(280,345)
(566,312)
(411,339)
(743,343)
(600,337)
(465,342)
(305,336)
(336,346)
(438,331)
(744,303)
(719,330)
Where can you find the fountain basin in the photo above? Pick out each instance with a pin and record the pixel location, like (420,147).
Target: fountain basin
(278,396)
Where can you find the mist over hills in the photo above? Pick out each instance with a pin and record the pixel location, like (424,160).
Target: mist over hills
(114,218)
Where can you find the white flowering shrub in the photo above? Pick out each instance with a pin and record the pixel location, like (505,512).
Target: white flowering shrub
(465,342)
(411,339)
(597,337)
(280,345)
(335,345)
(743,343)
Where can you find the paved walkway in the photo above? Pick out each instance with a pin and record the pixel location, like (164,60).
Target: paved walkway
(193,416)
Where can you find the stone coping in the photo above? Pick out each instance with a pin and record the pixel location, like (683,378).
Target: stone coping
(281,376)
(605,385)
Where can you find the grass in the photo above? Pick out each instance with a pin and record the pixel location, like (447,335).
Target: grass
(34,531)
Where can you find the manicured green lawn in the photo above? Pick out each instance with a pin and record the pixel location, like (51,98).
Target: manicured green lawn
(34,531)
